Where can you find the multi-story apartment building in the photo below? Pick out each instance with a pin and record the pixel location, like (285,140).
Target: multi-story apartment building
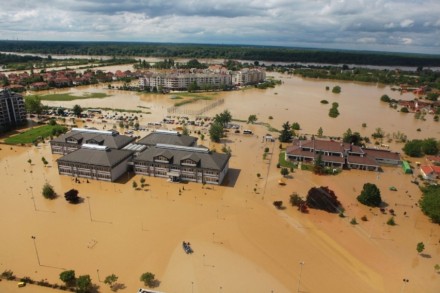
(12,109)
(182,80)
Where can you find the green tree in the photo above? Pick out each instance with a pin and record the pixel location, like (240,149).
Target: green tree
(84,283)
(284,171)
(432,96)
(404,110)
(370,195)
(430,202)
(336,89)
(320,132)
(286,133)
(68,277)
(350,137)
(111,280)
(252,119)
(45,162)
(223,118)
(185,130)
(29,161)
(48,191)
(379,133)
(33,105)
(318,166)
(149,279)
(385,98)
(420,247)
(192,87)
(413,148)
(142,180)
(296,126)
(77,110)
(430,146)
(216,131)
(134,184)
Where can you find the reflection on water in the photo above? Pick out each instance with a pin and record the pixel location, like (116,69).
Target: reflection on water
(296,100)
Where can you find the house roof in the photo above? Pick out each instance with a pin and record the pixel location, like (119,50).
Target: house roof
(106,158)
(433,158)
(430,169)
(382,154)
(215,161)
(111,141)
(367,161)
(155,138)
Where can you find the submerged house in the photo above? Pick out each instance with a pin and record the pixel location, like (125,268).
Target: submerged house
(339,154)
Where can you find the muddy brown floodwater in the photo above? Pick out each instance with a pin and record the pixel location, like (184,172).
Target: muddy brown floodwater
(241,242)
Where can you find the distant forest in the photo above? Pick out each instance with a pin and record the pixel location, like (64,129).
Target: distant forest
(240,52)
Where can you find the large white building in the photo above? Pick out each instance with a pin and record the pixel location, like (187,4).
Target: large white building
(182,80)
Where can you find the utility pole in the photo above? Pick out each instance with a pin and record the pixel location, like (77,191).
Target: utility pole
(300,272)
(36,250)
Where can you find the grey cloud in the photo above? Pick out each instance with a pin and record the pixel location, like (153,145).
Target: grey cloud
(356,24)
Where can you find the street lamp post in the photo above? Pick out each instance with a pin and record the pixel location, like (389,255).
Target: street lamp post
(97,272)
(36,250)
(300,272)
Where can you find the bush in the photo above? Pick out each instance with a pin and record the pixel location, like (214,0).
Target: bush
(68,277)
(324,102)
(404,110)
(370,195)
(148,279)
(278,204)
(391,221)
(353,221)
(48,191)
(364,218)
(336,89)
(385,98)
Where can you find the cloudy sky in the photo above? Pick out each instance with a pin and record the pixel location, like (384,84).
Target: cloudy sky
(385,25)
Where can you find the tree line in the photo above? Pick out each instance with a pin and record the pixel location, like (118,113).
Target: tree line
(243,52)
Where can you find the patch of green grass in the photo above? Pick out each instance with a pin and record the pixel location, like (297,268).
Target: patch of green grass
(33,134)
(176,98)
(71,97)
(286,164)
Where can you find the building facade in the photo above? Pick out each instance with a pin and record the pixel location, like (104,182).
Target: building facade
(95,162)
(12,109)
(182,163)
(215,79)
